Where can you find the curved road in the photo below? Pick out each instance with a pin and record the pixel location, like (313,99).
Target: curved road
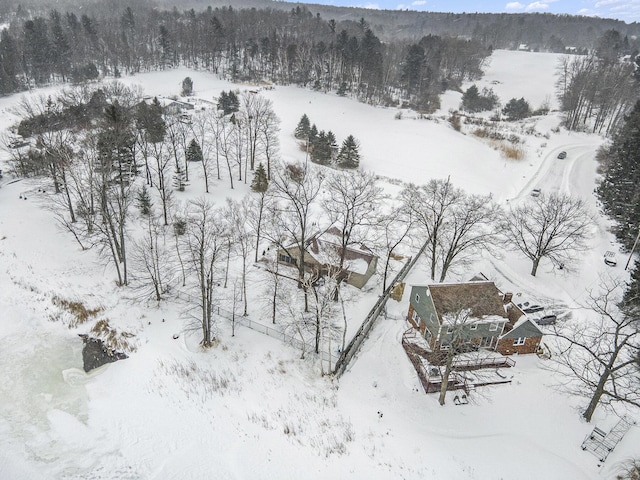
(575,174)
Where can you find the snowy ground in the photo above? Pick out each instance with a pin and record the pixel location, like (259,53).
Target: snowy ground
(250,408)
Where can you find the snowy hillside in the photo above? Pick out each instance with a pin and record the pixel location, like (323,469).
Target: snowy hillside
(250,408)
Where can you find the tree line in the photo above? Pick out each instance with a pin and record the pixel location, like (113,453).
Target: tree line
(286,47)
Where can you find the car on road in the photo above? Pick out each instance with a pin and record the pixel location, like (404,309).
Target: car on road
(610,258)
(536,192)
(562,155)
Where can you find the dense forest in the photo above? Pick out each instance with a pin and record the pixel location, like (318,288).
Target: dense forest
(286,47)
(540,31)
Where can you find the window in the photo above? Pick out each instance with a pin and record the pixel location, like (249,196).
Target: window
(414,316)
(450,329)
(287,259)
(474,326)
(417,298)
(518,341)
(493,327)
(444,346)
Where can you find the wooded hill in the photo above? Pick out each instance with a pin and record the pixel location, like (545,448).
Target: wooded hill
(539,31)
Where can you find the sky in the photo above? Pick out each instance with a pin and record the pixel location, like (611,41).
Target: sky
(626,10)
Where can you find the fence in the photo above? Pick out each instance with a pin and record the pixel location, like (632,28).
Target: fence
(273,331)
(356,342)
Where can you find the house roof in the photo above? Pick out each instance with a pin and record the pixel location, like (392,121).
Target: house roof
(326,249)
(524,327)
(482,298)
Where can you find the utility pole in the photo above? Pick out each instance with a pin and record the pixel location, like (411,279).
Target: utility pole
(632,249)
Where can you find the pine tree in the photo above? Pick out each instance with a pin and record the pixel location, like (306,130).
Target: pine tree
(321,151)
(333,144)
(180,179)
(144,201)
(313,134)
(187,87)
(194,152)
(228,102)
(302,130)
(260,183)
(517,109)
(619,190)
(349,156)
(632,293)
(234,102)
(223,100)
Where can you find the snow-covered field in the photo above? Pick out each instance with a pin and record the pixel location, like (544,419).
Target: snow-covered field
(249,407)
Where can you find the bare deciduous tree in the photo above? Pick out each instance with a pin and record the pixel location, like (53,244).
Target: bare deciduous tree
(551,226)
(237,217)
(431,205)
(349,201)
(150,262)
(457,323)
(203,243)
(597,360)
(395,227)
(295,189)
(471,227)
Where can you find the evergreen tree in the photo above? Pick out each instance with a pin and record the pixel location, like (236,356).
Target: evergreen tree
(475,101)
(9,63)
(619,190)
(116,144)
(180,178)
(313,133)
(194,152)
(517,109)
(149,120)
(260,183)
(302,130)
(333,144)
(144,200)
(321,150)
(187,87)
(234,102)
(61,50)
(412,68)
(349,156)
(228,102)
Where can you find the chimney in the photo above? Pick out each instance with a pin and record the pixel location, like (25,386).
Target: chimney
(506,298)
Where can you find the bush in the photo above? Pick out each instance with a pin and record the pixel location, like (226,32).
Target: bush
(630,471)
(517,109)
(512,152)
(454,121)
(475,101)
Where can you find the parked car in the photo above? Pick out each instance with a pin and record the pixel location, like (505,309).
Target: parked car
(546,320)
(527,307)
(610,258)
(533,309)
(562,155)
(536,192)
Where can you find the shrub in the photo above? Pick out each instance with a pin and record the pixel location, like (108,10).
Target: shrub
(454,121)
(517,109)
(475,101)
(78,311)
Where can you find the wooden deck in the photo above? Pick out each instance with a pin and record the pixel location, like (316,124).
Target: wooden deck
(466,374)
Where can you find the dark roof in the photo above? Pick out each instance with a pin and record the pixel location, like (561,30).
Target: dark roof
(322,241)
(483,298)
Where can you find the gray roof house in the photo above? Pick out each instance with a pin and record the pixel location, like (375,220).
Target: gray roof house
(323,251)
(491,319)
